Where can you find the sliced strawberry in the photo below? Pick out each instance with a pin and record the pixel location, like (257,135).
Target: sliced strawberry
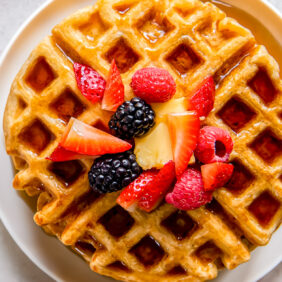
(60,154)
(156,189)
(132,193)
(114,92)
(184,130)
(84,139)
(203,98)
(215,175)
(90,82)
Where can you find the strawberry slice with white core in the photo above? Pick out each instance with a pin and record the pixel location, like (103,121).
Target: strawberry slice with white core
(114,92)
(216,175)
(85,139)
(184,131)
(155,190)
(133,192)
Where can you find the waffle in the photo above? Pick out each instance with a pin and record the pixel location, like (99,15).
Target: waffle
(191,40)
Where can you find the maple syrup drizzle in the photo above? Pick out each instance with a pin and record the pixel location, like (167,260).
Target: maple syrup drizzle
(122,9)
(267,145)
(261,33)
(41,75)
(236,114)
(183,58)
(67,172)
(67,105)
(180,224)
(123,54)
(148,251)
(119,265)
(264,208)
(36,136)
(117,221)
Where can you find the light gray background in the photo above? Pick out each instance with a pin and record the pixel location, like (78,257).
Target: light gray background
(14,265)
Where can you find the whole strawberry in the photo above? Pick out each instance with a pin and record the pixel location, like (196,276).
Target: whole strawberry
(188,192)
(90,82)
(154,85)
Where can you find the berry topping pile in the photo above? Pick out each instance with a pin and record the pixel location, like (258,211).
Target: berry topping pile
(132,119)
(172,158)
(111,173)
(195,185)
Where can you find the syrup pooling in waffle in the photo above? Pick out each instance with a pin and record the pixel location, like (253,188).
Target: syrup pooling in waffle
(192,41)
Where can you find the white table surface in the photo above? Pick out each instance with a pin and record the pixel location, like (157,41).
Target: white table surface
(14,264)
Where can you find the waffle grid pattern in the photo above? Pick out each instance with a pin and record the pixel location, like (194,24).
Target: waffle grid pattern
(191,40)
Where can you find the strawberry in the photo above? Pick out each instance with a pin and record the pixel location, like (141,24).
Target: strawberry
(90,83)
(184,130)
(60,154)
(188,192)
(114,92)
(215,175)
(84,139)
(214,145)
(155,190)
(203,98)
(154,85)
(133,192)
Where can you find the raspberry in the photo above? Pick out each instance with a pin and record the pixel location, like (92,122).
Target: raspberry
(188,192)
(154,85)
(90,83)
(214,145)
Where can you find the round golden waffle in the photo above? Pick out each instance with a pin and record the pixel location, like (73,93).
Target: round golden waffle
(191,40)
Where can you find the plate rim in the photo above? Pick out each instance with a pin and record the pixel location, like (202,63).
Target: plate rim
(271,9)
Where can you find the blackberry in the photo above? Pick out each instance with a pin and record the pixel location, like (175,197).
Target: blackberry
(111,173)
(132,119)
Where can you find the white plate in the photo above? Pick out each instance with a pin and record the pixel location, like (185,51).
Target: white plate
(45,251)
